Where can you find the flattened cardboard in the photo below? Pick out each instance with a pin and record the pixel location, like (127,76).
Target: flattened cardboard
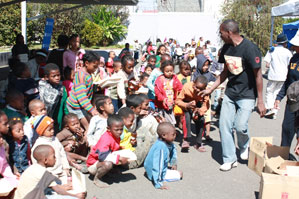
(278,187)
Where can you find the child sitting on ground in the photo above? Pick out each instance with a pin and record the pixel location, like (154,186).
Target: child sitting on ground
(36,108)
(8,180)
(101,159)
(30,184)
(53,94)
(74,142)
(127,140)
(15,105)
(44,127)
(167,87)
(19,147)
(162,154)
(98,123)
(68,74)
(194,106)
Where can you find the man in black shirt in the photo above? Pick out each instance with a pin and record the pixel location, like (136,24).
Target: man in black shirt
(242,61)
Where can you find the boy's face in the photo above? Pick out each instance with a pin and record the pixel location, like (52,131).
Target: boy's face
(91,67)
(168,71)
(129,67)
(117,67)
(169,136)
(108,107)
(199,87)
(136,110)
(152,61)
(54,77)
(128,122)
(186,71)
(73,124)
(205,67)
(3,124)
(39,109)
(18,103)
(144,105)
(49,132)
(17,131)
(116,129)
(51,159)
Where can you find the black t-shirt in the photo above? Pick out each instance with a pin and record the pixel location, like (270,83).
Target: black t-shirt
(240,61)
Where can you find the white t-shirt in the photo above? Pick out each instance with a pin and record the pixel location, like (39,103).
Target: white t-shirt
(279,60)
(97,127)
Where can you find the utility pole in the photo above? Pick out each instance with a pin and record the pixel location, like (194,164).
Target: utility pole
(24,20)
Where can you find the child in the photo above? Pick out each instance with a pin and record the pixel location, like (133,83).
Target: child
(79,101)
(74,142)
(126,73)
(151,61)
(36,108)
(117,92)
(134,102)
(148,69)
(185,72)
(53,94)
(98,123)
(15,105)
(72,57)
(44,127)
(19,147)
(194,105)
(8,180)
(68,75)
(36,180)
(162,153)
(35,65)
(101,159)
(167,87)
(127,139)
(143,87)
(110,62)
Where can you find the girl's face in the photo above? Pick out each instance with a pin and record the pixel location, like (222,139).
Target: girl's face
(75,43)
(3,124)
(152,61)
(186,70)
(162,50)
(129,67)
(91,67)
(108,107)
(17,131)
(168,71)
(148,70)
(205,67)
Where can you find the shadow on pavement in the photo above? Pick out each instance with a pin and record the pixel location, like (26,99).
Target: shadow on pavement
(216,150)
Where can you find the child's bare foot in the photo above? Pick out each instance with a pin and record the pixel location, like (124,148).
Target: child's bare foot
(99,183)
(200,148)
(185,144)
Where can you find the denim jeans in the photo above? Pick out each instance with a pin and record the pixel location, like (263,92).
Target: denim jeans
(288,127)
(234,115)
(216,98)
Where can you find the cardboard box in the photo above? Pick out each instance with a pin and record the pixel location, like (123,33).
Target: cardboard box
(279,187)
(261,150)
(280,166)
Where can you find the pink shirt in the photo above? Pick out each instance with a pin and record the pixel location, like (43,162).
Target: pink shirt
(9,179)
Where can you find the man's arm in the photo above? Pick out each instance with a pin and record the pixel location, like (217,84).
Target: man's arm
(259,87)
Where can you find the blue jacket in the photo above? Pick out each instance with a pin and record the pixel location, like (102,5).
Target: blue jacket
(201,59)
(157,160)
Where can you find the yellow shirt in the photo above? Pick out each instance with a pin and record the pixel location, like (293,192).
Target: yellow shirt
(125,141)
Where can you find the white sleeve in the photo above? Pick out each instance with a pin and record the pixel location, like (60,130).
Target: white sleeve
(267,58)
(91,132)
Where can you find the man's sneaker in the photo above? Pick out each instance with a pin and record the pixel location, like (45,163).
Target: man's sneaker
(270,113)
(244,154)
(228,166)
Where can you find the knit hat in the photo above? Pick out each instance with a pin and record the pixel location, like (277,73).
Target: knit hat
(41,123)
(293,96)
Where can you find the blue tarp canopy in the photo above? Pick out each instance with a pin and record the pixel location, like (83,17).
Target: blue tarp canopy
(290,29)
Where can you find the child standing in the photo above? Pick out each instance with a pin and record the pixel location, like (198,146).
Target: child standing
(143,87)
(167,87)
(36,108)
(185,72)
(79,101)
(109,63)
(44,127)
(98,123)
(194,106)
(101,159)
(53,94)
(68,75)
(15,105)
(19,147)
(73,56)
(127,141)
(162,154)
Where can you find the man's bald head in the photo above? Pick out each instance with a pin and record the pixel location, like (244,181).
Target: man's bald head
(230,25)
(42,151)
(164,127)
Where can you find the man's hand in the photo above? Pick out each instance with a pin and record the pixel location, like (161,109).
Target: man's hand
(261,109)
(205,92)
(276,104)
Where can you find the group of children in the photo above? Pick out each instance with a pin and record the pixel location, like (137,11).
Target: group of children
(78,124)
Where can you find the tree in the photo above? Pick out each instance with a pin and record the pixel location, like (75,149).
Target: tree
(254,18)
(91,34)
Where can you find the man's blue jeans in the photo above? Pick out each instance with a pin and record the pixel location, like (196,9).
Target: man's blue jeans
(234,115)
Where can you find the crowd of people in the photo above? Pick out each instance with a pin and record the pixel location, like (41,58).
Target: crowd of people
(71,109)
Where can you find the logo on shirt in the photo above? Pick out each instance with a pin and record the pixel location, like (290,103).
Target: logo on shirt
(257,60)
(234,64)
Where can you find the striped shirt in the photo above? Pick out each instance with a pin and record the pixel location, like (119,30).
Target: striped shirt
(82,91)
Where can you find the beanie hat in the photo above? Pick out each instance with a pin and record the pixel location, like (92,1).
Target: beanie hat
(41,123)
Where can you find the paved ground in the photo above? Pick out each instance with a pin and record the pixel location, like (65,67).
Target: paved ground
(202,177)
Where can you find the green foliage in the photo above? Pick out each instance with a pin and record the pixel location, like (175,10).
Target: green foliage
(112,27)
(91,33)
(254,18)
